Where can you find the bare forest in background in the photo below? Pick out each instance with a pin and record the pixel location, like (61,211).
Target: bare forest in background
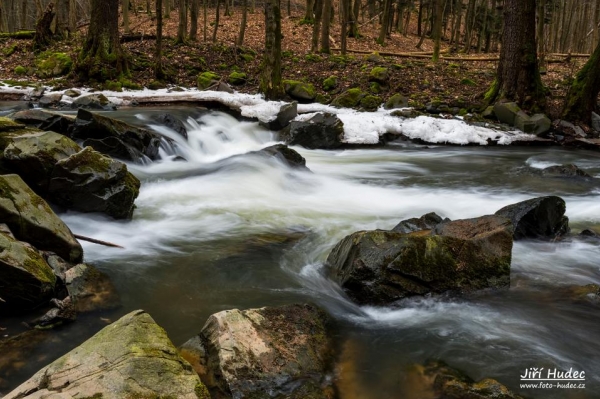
(468,26)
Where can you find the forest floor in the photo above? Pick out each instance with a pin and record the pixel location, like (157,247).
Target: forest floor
(460,82)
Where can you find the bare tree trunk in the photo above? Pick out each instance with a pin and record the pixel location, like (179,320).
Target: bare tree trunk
(195,9)
(167,13)
(43,34)
(316,26)
(455,40)
(353,22)
(205,12)
(125,11)
(158,67)
(182,26)
(345,11)
(308,15)
(385,21)
(437,29)
(518,78)
(270,82)
(326,24)
(214,38)
(583,95)
(72,15)
(240,39)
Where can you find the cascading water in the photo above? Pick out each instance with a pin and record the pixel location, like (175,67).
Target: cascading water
(222,230)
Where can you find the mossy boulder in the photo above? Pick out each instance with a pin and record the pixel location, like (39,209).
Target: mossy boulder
(380,267)
(130,358)
(301,91)
(9,125)
(207,79)
(370,103)
(115,138)
(96,101)
(91,182)
(349,99)
(30,219)
(45,120)
(50,64)
(542,217)
(330,83)
(237,78)
(379,75)
(19,70)
(33,156)
(506,112)
(396,101)
(266,353)
(323,130)
(27,280)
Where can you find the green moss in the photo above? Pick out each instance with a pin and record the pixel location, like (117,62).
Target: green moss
(156,84)
(237,78)
(323,99)
(379,75)
(287,54)
(53,64)
(207,79)
(468,82)
(462,112)
(299,90)
(375,88)
(19,70)
(10,50)
(348,99)
(128,84)
(247,57)
(492,92)
(306,21)
(201,391)
(113,86)
(312,58)
(330,83)
(370,103)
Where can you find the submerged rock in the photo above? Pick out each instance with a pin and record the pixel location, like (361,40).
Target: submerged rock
(30,219)
(172,123)
(281,352)
(90,290)
(425,222)
(449,383)
(115,138)
(379,267)
(133,357)
(26,280)
(62,311)
(283,153)
(90,182)
(542,217)
(566,170)
(324,130)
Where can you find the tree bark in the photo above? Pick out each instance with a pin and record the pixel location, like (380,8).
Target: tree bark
(102,56)
(195,9)
(158,67)
(437,29)
(583,95)
(240,39)
(270,81)
(518,77)
(325,26)
(316,26)
(43,34)
(217,12)
(308,15)
(345,11)
(385,21)
(125,11)
(182,26)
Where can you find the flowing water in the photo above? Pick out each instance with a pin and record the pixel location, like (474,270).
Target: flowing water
(217,233)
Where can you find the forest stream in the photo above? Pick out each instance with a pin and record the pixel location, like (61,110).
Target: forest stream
(218,232)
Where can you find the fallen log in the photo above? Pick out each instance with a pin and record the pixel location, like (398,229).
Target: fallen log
(22,34)
(95,241)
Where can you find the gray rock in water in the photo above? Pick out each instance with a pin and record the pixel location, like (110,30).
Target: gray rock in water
(380,267)
(50,100)
(115,138)
(90,290)
(96,101)
(27,281)
(30,219)
(33,156)
(425,222)
(542,217)
(284,117)
(172,123)
(91,182)
(283,153)
(45,120)
(131,358)
(325,131)
(281,352)
(567,170)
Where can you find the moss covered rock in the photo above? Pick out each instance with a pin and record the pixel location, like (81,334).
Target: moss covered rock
(237,78)
(396,101)
(207,79)
(370,103)
(19,70)
(115,138)
(50,64)
(90,182)
(348,99)
(97,101)
(380,267)
(130,358)
(30,219)
(379,75)
(8,125)
(330,83)
(304,92)
(266,353)
(27,280)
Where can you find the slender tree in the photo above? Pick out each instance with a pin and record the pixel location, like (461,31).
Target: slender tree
(240,39)
(158,66)
(316,26)
(194,11)
(125,11)
(270,80)
(437,28)
(583,95)
(518,76)
(217,12)
(182,26)
(325,26)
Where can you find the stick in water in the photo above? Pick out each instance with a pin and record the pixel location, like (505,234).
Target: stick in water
(105,243)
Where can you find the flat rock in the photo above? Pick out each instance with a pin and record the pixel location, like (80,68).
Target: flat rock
(30,219)
(130,358)
(96,101)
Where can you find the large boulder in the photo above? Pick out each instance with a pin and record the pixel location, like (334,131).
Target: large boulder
(90,182)
(542,217)
(172,123)
(301,91)
(115,138)
(34,154)
(425,222)
(323,130)
(506,112)
(96,101)
(131,358)
(26,280)
(281,352)
(287,113)
(30,219)
(45,120)
(379,267)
